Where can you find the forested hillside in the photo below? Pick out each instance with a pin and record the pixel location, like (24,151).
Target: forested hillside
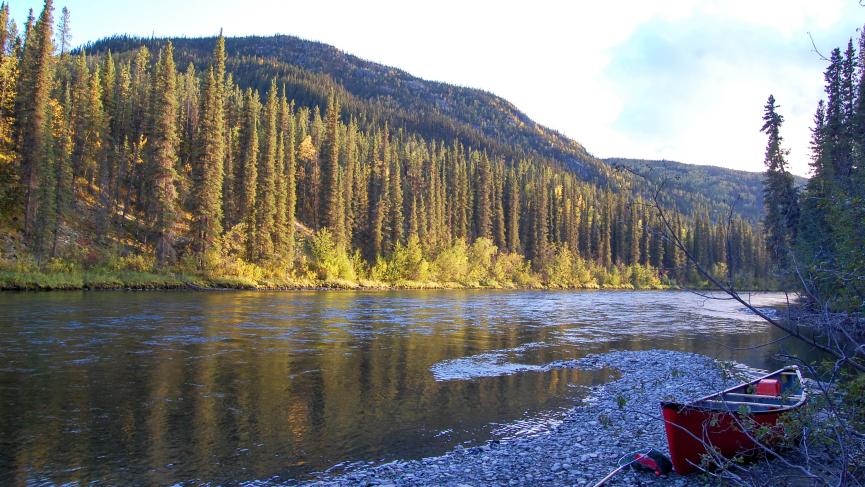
(704,189)
(213,158)
(373,93)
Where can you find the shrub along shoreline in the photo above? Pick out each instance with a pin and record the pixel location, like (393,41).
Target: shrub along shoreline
(323,264)
(126,280)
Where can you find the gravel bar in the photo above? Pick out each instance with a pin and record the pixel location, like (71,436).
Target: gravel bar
(616,418)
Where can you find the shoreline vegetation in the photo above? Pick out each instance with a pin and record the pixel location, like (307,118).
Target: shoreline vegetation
(324,264)
(142,281)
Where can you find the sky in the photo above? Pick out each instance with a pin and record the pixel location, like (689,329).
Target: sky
(682,80)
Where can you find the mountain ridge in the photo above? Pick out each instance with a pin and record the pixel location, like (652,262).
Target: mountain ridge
(436,109)
(743,190)
(390,87)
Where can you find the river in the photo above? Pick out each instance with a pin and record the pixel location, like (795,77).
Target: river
(168,387)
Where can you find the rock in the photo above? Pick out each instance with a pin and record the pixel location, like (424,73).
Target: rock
(579,450)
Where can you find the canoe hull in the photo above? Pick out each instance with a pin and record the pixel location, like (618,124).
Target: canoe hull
(727,421)
(689,430)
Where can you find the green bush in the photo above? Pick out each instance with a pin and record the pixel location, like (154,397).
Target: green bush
(644,277)
(328,259)
(566,270)
(452,263)
(379,271)
(480,260)
(557,270)
(407,263)
(513,269)
(60,266)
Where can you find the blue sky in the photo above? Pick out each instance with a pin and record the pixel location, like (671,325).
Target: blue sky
(680,79)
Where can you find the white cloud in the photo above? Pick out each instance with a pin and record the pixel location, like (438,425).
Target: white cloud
(693,88)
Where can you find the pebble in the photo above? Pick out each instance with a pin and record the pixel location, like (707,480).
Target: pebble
(585,447)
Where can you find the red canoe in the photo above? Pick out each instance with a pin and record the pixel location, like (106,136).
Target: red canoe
(721,419)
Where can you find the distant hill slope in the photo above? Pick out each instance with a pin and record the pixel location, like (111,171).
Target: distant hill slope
(704,187)
(373,93)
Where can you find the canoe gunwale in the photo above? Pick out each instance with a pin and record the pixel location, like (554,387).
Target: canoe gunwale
(719,396)
(690,427)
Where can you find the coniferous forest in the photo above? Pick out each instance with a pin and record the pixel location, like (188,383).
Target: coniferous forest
(815,235)
(136,163)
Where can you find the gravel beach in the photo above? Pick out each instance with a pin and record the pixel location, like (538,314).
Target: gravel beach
(616,418)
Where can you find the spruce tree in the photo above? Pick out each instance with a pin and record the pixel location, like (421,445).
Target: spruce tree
(46,218)
(779,196)
(330,210)
(34,91)
(249,184)
(498,209)
(290,151)
(163,146)
(396,219)
(348,183)
(279,221)
(9,73)
(97,151)
(112,147)
(265,198)
(109,93)
(634,235)
(62,141)
(64,31)
(208,169)
(513,219)
(541,223)
(378,192)
(80,109)
(483,197)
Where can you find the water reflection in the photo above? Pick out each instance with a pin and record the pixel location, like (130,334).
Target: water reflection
(167,387)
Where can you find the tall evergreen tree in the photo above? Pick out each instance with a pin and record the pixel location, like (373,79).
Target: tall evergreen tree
(249,182)
(164,144)
(483,199)
(780,199)
(208,172)
(290,151)
(9,73)
(396,219)
(265,198)
(513,218)
(330,210)
(64,32)
(34,91)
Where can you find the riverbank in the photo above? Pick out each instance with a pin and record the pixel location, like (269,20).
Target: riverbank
(615,419)
(110,280)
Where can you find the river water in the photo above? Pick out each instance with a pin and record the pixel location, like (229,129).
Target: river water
(226,387)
